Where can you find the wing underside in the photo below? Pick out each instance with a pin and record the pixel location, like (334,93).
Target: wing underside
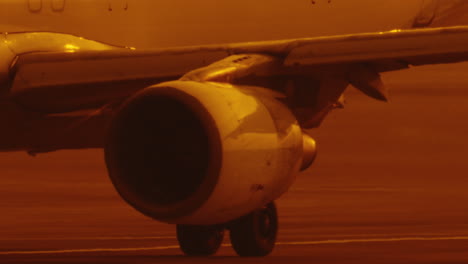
(64,81)
(55,83)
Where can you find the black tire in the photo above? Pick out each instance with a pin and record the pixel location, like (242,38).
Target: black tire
(199,240)
(254,235)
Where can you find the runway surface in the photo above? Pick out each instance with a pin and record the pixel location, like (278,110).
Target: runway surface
(389,186)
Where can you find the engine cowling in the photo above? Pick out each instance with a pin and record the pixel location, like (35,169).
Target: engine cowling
(204,153)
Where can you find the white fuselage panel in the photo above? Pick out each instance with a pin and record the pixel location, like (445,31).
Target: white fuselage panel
(163,23)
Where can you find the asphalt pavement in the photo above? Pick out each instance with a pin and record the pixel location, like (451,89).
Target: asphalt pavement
(389,186)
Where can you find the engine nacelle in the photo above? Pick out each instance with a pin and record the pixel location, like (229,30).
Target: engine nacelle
(204,153)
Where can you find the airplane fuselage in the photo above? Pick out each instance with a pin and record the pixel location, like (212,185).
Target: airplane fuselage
(165,23)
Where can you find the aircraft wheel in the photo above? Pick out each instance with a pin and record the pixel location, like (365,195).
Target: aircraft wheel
(199,240)
(254,235)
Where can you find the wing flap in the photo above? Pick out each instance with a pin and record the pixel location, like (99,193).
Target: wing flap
(436,45)
(61,82)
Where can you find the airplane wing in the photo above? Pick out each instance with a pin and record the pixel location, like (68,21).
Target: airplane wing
(76,74)
(60,81)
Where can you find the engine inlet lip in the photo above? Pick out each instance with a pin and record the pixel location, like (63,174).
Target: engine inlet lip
(186,207)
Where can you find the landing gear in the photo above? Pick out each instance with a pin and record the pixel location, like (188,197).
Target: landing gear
(199,240)
(254,235)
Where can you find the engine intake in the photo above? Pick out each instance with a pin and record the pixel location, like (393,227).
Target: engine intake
(203,153)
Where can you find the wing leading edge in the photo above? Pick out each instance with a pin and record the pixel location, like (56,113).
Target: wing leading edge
(64,81)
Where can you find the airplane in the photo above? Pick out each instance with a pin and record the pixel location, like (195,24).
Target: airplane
(201,106)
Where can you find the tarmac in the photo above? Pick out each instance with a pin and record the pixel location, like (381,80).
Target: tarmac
(389,186)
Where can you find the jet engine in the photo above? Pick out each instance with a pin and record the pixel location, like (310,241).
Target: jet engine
(203,153)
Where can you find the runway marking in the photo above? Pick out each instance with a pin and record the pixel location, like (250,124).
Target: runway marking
(89,238)
(366,240)
(292,243)
(91,250)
